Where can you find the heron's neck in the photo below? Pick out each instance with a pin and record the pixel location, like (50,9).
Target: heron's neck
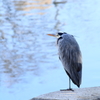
(59,39)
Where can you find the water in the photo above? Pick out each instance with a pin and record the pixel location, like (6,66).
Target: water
(29,63)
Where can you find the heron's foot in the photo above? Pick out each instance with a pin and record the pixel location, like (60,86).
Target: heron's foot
(70,89)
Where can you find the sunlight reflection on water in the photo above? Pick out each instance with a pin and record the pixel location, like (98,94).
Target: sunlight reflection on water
(33,6)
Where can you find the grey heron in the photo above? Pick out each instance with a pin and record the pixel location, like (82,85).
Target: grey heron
(70,56)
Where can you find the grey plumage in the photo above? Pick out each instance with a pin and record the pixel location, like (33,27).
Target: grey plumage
(70,56)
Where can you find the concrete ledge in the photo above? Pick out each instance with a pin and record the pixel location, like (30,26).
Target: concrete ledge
(92,93)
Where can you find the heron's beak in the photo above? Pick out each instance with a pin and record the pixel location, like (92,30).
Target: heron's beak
(52,35)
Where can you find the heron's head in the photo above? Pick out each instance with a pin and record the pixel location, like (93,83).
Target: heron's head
(58,35)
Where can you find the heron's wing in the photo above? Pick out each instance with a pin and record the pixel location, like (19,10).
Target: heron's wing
(71,60)
(75,65)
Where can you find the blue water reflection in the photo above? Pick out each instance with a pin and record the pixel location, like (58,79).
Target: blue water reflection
(29,63)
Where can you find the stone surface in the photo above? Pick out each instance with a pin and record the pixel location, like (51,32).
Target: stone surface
(92,93)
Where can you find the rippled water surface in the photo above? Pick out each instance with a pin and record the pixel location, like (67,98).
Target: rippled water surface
(29,63)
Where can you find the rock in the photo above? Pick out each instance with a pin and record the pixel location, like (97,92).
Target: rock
(92,93)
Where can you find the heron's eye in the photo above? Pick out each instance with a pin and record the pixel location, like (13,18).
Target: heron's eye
(60,33)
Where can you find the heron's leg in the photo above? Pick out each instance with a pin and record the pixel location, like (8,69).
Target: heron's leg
(69,84)
(70,89)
